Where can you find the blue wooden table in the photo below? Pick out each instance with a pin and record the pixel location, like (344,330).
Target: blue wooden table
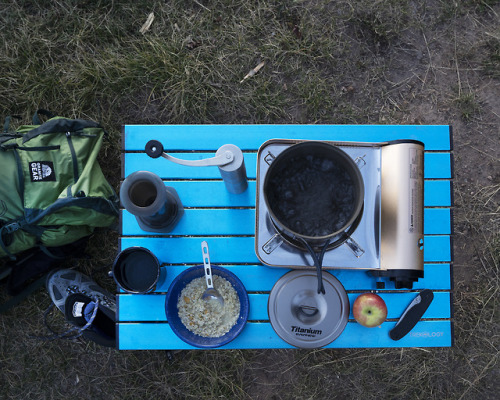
(227,222)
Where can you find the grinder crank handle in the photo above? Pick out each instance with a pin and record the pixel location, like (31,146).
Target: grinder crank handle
(154,149)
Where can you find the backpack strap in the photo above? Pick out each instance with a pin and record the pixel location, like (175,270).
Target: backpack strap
(10,227)
(3,234)
(62,125)
(20,175)
(41,111)
(49,253)
(11,146)
(5,137)
(6,123)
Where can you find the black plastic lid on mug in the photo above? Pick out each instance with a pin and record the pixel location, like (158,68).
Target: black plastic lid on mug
(301,316)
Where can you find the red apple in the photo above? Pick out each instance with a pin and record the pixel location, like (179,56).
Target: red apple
(369,310)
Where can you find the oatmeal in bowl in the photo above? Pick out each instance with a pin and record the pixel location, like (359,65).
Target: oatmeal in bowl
(206,324)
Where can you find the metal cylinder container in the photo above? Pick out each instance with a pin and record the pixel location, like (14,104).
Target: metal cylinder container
(234,174)
(402,213)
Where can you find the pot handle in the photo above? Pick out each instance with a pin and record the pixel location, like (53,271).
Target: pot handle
(318,262)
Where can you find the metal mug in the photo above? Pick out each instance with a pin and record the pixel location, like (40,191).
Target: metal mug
(136,270)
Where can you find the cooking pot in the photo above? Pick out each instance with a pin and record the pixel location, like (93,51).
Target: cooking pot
(314,193)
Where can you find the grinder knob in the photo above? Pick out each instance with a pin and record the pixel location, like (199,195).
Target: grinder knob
(154,149)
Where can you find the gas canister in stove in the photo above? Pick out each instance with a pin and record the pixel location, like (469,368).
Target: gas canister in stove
(402,212)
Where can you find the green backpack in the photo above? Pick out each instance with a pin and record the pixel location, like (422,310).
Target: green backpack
(52,189)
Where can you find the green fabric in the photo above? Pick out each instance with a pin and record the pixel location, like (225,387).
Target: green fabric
(53,190)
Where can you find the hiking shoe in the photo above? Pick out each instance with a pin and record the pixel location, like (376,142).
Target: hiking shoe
(77,296)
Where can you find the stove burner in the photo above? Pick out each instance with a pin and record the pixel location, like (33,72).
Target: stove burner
(334,242)
(357,247)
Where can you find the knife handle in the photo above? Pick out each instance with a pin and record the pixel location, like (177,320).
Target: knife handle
(412,314)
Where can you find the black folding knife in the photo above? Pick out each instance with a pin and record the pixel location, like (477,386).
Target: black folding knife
(412,314)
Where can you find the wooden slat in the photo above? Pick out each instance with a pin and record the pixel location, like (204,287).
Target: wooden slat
(211,137)
(437,221)
(260,278)
(202,222)
(241,249)
(242,222)
(436,166)
(157,336)
(152,307)
(437,193)
(189,193)
(167,169)
(437,248)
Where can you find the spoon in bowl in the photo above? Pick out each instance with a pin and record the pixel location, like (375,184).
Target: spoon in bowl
(210,294)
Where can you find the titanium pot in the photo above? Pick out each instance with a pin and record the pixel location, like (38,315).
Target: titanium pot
(314,193)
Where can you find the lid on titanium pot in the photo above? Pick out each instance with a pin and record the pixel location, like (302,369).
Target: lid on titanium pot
(301,316)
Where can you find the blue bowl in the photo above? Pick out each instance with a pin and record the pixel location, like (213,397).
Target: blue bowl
(178,327)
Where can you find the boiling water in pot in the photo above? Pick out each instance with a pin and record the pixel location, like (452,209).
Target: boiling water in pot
(313,196)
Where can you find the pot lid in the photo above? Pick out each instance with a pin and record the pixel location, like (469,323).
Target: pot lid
(301,316)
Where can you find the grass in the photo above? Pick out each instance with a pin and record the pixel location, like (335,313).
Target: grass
(357,62)
(491,62)
(467,105)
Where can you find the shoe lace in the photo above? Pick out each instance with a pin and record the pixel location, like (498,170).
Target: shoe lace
(72,333)
(102,298)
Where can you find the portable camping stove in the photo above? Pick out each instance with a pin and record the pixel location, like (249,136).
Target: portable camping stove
(388,239)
